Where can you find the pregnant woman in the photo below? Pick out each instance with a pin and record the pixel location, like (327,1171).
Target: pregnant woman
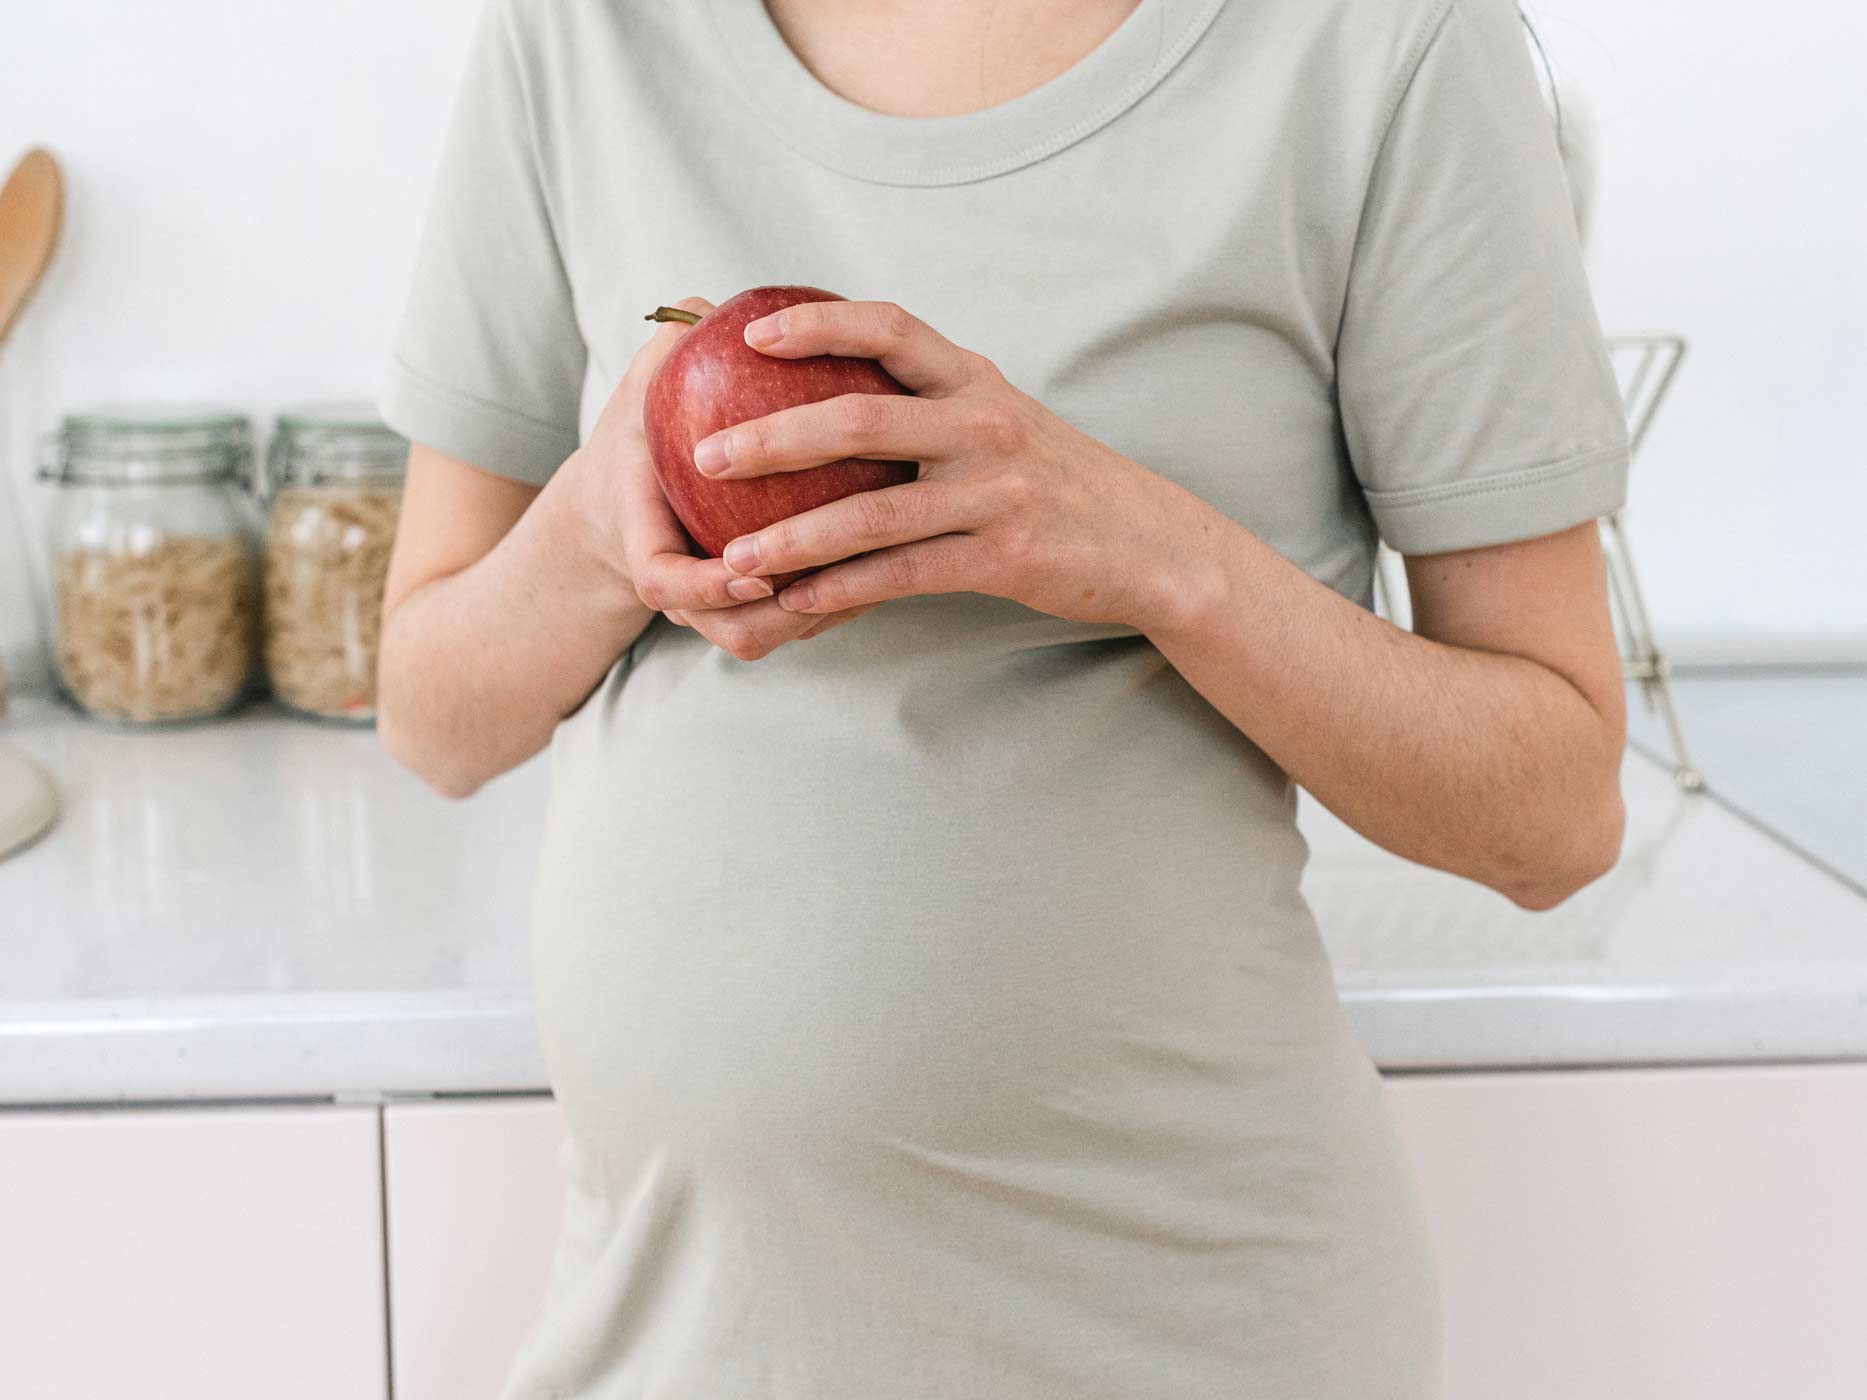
(918,950)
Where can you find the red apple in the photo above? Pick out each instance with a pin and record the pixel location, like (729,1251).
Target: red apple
(711,380)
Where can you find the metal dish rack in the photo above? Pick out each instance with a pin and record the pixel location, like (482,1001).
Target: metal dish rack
(1645,365)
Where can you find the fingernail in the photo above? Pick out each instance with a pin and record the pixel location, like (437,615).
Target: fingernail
(748,590)
(767,330)
(710,454)
(741,555)
(797,598)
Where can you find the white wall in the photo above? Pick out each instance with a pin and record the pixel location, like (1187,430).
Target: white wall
(248,176)
(246,181)
(1733,208)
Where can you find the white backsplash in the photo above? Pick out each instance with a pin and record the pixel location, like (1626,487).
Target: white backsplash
(244,188)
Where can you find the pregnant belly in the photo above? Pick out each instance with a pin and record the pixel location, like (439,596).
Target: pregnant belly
(942,968)
(915,988)
(917,891)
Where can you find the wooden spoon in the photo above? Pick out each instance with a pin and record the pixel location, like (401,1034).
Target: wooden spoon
(32,208)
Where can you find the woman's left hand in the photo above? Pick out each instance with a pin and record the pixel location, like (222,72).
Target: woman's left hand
(1010,500)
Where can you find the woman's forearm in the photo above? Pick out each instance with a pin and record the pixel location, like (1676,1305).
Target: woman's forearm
(478,667)
(1492,766)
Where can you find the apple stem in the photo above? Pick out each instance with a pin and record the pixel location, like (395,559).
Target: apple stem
(672,313)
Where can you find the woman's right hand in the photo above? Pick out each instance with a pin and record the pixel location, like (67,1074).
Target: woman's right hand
(735,613)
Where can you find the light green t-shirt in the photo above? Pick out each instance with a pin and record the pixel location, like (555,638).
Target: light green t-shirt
(932,1003)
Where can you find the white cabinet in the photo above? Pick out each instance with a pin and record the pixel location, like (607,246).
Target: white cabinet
(219,1254)
(1669,1234)
(475,1190)
(1603,1235)
(1648,1234)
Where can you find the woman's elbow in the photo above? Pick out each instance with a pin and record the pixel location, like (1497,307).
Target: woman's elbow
(1595,848)
(402,738)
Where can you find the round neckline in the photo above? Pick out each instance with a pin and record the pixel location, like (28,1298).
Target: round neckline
(894,150)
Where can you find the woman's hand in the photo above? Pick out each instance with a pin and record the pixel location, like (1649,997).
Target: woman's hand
(734,613)
(1011,500)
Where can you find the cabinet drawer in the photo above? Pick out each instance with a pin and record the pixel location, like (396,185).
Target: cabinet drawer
(475,1192)
(1648,1234)
(215,1253)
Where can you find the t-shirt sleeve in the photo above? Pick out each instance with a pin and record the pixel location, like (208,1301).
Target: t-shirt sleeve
(1477,399)
(488,361)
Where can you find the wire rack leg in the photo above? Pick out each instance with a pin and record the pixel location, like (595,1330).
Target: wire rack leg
(1648,663)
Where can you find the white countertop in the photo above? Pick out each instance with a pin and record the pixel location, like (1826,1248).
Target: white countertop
(264,907)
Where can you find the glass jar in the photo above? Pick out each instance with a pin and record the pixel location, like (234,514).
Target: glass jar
(154,561)
(335,473)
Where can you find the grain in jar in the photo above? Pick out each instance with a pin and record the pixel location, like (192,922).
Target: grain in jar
(336,476)
(154,560)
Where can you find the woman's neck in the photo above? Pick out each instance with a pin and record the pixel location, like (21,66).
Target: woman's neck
(911,59)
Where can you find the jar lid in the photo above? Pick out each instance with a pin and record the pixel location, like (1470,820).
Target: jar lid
(153,443)
(335,442)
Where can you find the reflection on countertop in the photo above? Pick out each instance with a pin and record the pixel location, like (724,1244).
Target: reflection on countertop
(265,907)
(259,854)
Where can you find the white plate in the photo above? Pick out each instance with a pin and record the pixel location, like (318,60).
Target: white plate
(28,802)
